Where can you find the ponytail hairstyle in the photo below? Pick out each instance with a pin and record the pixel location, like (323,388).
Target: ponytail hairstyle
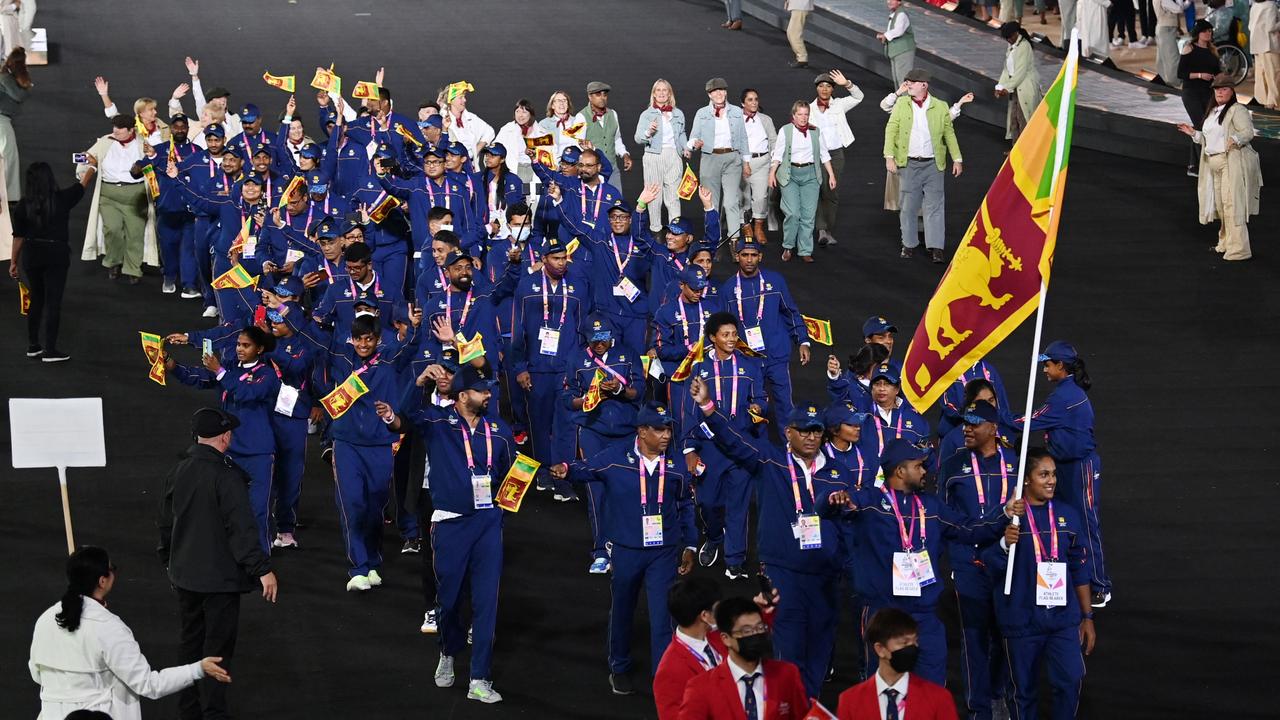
(1078,373)
(867,357)
(85,568)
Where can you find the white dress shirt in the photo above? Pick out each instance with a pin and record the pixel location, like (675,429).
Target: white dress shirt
(921,144)
(723,138)
(883,700)
(699,646)
(757,138)
(738,673)
(898,26)
(1215,133)
(473,132)
(120,158)
(668,136)
(801,149)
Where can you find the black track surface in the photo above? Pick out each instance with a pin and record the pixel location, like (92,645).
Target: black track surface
(1181,346)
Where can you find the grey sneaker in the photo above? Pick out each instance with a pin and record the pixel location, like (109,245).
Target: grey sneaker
(444,672)
(483,691)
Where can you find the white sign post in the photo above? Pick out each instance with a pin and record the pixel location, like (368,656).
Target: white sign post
(58,433)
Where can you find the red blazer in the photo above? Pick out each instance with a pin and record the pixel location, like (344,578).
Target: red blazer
(675,670)
(925,701)
(714,695)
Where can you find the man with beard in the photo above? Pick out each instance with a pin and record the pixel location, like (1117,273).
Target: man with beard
(426,192)
(581,203)
(468,453)
(463,309)
(175,225)
(337,307)
(203,169)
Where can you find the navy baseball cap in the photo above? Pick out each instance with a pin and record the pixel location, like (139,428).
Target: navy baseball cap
(496,149)
(348,225)
(233,151)
(455,256)
(1060,350)
(449,359)
(746,242)
(211,422)
(980,412)
(384,152)
(283,290)
(679,226)
(274,316)
(843,414)
(570,156)
(619,206)
(655,415)
(311,151)
(261,149)
(432,121)
(254,178)
(888,372)
(249,113)
(599,328)
(331,117)
(897,452)
(215,130)
(317,183)
(471,377)
(327,228)
(370,308)
(434,151)
(876,325)
(179,116)
(694,276)
(805,417)
(457,148)
(551,245)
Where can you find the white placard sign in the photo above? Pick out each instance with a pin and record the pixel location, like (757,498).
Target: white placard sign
(61,432)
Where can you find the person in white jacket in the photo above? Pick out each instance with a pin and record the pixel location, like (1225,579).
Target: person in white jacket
(84,657)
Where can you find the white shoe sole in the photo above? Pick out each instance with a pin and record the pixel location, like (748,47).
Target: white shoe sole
(61,358)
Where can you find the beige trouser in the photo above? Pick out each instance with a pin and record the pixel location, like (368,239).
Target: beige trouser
(1266,73)
(664,169)
(795,35)
(1233,239)
(123,212)
(755,189)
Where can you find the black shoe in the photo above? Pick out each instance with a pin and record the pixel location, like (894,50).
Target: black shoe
(33,351)
(621,684)
(797,64)
(134,279)
(936,256)
(113,272)
(52,356)
(906,253)
(327,454)
(1099,599)
(708,554)
(412,547)
(735,572)
(1193,171)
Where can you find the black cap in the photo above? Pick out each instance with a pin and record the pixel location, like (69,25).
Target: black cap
(216,93)
(211,422)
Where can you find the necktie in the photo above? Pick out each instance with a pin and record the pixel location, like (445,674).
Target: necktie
(891,707)
(711,654)
(749,702)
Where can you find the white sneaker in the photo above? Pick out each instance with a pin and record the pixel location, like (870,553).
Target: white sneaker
(284,540)
(470,632)
(1138,45)
(168,288)
(483,691)
(374,578)
(210,311)
(190,293)
(359,582)
(1117,42)
(429,626)
(444,672)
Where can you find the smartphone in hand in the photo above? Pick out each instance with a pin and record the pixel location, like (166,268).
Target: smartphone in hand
(207,348)
(80,158)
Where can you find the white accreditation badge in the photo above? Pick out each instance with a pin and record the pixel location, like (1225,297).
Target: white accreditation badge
(548,341)
(627,289)
(286,399)
(809,531)
(1051,584)
(481,492)
(652,526)
(905,581)
(755,338)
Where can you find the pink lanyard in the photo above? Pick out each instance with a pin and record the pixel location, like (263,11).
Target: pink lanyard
(370,363)
(248,372)
(644,488)
(759,308)
(792,461)
(715,365)
(684,325)
(617,259)
(903,532)
(582,198)
(431,193)
(280,375)
(831,450)
(880,430)
(448,306)
(1035,536)
(325,261)
(546,301)
(606,368)
(466,446)
(977,478)
(377,285)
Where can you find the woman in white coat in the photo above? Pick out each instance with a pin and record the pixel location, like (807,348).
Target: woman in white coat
(84,657)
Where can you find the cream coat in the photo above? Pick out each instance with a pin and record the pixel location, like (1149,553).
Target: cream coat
(1243,168)
(94,245)
(1023,79)
(97,667)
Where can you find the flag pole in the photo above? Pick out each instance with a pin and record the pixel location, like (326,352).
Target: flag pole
(1060,149)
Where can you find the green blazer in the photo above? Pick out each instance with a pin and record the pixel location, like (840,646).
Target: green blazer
(897,133)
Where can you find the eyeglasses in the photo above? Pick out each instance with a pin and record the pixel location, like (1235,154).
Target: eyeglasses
(750,630)
(810,432)
(586,166)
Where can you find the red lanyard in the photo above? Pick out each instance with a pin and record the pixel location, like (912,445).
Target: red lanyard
(377,285)
(582,198)
(684,325)
(759,307)
(617,259)
(606,368)
(466,446)
(715,365)
(448,306)
(1035,535)
(903,532)
(644,487)
(546,301)
(977,478)
(792,461)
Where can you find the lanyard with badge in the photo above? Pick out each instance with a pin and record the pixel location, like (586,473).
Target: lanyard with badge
(831,450)
(431,193)
(684,323)
(651,525)
(287,398)
(582,198)
(377,287)
(481,483)
(250,247)
(448,307)
(549,337)
(703,659)
(616,375)
(911,570)
(808,526)
(977,479)
(755,336)
(715,365)
(625,288)
(1051,574)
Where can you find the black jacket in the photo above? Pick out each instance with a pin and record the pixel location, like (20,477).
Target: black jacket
(208,534)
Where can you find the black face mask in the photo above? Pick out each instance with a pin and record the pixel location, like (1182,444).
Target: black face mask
(904,659)
(754,648)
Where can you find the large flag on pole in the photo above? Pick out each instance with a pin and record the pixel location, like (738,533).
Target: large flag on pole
(995,279)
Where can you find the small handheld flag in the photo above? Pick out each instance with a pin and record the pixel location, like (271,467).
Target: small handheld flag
(688,184)
(326,80)
(819,330)
(152,345)
(517,482)
(243,236)
(296,184)
(338,402)
(153,183)
(235,278)
(364,90)
(469,350)
(592,399)
(685,368)
(452,92)
(156,374)
(284,82)
(383,208)
(818,712)
(24,299)
(403,132)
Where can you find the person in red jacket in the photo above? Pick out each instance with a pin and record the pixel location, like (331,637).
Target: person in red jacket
(695,648)
(893,689)
(747,685)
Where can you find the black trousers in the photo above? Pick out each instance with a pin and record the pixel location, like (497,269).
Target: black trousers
(45,266)
(209,625)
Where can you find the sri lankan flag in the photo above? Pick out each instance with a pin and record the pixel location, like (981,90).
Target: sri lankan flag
(592,399)
(243,236)
(295,184)
(326,80)
(819,330)
(235,278)
(403,132)
(24,299)
(284,82)
(382,207)
(1002,265)
(153,182)
(469,350)
(688,184)
(516,483)
(364,90)
(152,346)
(685,368)
(344,396)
